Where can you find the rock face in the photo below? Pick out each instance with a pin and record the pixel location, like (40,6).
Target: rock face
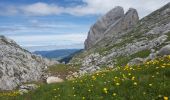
(18,66)
(114,22)
(125,39)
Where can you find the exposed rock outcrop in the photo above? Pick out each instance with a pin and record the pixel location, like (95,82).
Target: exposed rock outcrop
(125,39)
(18,66)
(164,51)
(26,88)
(136,61)
(114,22)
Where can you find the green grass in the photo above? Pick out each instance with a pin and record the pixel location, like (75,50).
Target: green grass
(149,81)
(62,69)
(168,34)
(141,54)
(123,60)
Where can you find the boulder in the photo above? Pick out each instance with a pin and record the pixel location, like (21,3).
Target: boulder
(136,61)
(53,79)
(164,50)
(26,88)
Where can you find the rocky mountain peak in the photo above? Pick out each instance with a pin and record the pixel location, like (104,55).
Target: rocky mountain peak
(126,40)
(115,21)
(97,30)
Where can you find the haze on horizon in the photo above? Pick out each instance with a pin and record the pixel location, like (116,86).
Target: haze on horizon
(59,24)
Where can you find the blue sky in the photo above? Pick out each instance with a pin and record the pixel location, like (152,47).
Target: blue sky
(59,24)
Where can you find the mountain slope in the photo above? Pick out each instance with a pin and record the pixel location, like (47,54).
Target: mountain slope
(18,66)
(148,81)
(142,40)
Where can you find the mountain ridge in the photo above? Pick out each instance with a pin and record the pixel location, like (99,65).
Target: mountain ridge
(56,54)
(145,39)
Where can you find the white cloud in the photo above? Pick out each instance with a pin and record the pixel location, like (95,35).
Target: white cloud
(41,9)
(50,42)
(102,6)
(89,7)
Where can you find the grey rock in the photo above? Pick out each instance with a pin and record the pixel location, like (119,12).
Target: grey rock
(97,30)
(18,66)
(114,22)
(164,50)
(26,88)
(136,61)
(23,91)
(159,30)
(53,79)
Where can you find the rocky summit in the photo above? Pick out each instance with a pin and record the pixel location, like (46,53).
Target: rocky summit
(118,39)
(113,23)
(19,66)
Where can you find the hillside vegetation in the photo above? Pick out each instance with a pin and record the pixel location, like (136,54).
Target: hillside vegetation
(149,81)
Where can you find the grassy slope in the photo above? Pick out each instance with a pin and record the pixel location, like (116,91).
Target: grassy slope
(62,70)
(145,82)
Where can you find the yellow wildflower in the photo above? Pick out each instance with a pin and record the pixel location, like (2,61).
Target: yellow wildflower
(116,77)
(83,98)
(129,74)
(117,84)
(105,89)
(133,78)
(165,98)
(163,66)
(114,94)
(54,89)
(135,83)
(150,84)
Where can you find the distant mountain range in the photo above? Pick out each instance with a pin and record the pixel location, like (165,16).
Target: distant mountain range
(57,54)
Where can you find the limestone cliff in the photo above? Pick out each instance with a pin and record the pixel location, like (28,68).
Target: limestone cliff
(18,66)
(114,22)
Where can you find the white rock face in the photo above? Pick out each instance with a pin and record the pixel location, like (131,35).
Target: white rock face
(18,65)
(53,79)
(114,22)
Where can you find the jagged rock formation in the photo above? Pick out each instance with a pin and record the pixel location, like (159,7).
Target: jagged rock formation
(125,39)
(18,66)
(114,22)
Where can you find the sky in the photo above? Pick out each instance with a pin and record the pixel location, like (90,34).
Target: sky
(60,24)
